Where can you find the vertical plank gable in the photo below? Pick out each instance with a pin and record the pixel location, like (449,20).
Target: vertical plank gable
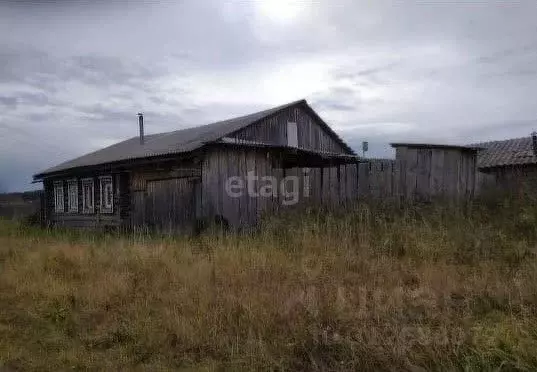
(273,130)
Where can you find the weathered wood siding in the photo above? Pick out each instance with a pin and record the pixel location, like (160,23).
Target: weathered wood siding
(331,185)
(273,130)
(170,204)
(377,178)
(518,179)
(48,201)
(163,197)
(218,166)
(172,197)
(427,173)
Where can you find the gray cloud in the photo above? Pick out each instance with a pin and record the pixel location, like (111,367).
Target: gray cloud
(73,75)
(9,102)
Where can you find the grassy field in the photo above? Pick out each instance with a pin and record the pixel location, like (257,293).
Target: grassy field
(372,288)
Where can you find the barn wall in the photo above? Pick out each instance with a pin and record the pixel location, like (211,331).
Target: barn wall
(219,165)
(273,130)
(328,186)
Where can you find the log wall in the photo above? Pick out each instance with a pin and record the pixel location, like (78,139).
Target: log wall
(81,219)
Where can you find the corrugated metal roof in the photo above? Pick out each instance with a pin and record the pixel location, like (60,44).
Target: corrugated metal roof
(180,141)
(514,151)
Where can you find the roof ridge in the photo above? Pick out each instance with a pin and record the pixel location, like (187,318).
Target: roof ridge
(275,108)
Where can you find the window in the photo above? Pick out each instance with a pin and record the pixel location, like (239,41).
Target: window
(58,196)
(87,195)
(107,195)
(72,193)
(292,134)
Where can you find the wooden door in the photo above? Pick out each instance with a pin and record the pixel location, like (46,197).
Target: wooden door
(170,204)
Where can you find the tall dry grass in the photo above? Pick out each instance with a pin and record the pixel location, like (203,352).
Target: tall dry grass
(369,288)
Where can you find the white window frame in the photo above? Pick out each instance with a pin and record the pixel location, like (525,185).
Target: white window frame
(72,195)
(292,134)
(106,207)
(59,197)
(86,208)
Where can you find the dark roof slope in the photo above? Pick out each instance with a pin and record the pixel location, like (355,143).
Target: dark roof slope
(179,141)
(514,151)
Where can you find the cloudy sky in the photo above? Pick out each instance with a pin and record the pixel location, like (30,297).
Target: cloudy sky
(74,74)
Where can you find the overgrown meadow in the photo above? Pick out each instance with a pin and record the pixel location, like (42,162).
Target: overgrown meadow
(372,287)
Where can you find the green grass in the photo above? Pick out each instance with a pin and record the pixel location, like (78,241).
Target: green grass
(368,288)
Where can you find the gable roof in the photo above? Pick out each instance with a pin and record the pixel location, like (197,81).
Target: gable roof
(514,151)
(179,141)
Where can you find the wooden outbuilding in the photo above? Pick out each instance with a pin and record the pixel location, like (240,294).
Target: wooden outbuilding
(428,171)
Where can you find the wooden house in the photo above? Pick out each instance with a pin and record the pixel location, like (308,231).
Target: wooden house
(232,171)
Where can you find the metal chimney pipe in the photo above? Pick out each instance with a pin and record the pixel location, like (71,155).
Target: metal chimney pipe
(141,123)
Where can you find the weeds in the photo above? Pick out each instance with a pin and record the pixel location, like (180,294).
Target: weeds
(368,288)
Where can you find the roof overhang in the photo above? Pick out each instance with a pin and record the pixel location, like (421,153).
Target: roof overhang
(121,165)
(294,156)
(436,146)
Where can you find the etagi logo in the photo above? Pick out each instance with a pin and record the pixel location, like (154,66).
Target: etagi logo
(268,187)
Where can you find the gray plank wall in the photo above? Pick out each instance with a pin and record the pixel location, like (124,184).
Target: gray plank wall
(508,179)
(427,173)
(170,204)
(331,186)
(273,130)
(417,175)
(420,174)
(151,199)
(377,178)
